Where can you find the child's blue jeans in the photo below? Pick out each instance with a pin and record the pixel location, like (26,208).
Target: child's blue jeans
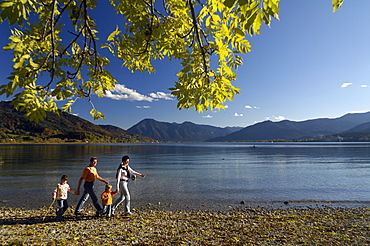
(107,210)
(63,205)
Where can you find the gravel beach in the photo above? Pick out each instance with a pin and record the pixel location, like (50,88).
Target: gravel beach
(158,225)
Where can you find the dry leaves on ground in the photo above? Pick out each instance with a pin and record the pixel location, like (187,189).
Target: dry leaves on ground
(151,226)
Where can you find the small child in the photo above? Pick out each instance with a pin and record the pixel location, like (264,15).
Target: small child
(107,200)
(60,194)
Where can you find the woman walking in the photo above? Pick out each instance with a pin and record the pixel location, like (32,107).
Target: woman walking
(123,175)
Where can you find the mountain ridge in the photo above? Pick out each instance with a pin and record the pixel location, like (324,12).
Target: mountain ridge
(69,128)
(314,129)
(186,131)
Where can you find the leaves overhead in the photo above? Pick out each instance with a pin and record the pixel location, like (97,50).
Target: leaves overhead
(55,45)
(337,4)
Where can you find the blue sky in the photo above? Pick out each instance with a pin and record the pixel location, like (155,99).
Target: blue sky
(311,64)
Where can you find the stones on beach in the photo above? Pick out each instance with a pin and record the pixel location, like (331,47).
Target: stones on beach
(336,226)
(240,226)
(242,202)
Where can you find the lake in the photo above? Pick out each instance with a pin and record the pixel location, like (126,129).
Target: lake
(195,175)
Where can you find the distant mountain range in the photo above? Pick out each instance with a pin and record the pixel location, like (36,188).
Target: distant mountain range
(350,127)
(342,128)
(184,132)
(69,128)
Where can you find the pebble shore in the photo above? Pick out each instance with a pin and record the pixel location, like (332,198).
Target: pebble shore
(155,225)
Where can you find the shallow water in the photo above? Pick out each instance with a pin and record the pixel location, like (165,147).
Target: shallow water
(194,174)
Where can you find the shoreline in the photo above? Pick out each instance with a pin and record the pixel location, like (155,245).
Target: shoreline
(153,225)
(36,198)
(187,204)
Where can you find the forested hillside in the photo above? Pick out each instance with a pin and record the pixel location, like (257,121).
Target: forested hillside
(59,128)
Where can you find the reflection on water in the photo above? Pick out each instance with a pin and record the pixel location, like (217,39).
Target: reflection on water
(188,171)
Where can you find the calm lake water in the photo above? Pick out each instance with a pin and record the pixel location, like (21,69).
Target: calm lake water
(210,175)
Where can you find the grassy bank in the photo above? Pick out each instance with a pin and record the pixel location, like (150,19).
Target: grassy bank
(148,226)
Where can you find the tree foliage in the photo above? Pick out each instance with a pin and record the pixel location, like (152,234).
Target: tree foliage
(56,50)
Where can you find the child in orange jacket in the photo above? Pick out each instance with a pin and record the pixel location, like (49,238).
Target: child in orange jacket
(107,200)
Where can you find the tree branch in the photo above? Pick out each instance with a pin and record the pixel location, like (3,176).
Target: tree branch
(52,33)
(197,35)
(150,33)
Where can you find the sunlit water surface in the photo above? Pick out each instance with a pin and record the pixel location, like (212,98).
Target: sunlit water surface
(194,174)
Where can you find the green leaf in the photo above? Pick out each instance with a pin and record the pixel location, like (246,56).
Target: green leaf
(33,64)
(229,3)
(113,34)
(238,31)
(257,23)
(96,114)
(6,4)
(337,4)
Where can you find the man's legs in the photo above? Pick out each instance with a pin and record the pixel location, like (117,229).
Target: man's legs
(81,202)
(89,188)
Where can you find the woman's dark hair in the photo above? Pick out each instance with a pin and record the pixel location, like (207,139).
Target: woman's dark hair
(124,158)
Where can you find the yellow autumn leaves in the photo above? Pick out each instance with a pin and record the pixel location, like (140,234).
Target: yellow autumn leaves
(56,48)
